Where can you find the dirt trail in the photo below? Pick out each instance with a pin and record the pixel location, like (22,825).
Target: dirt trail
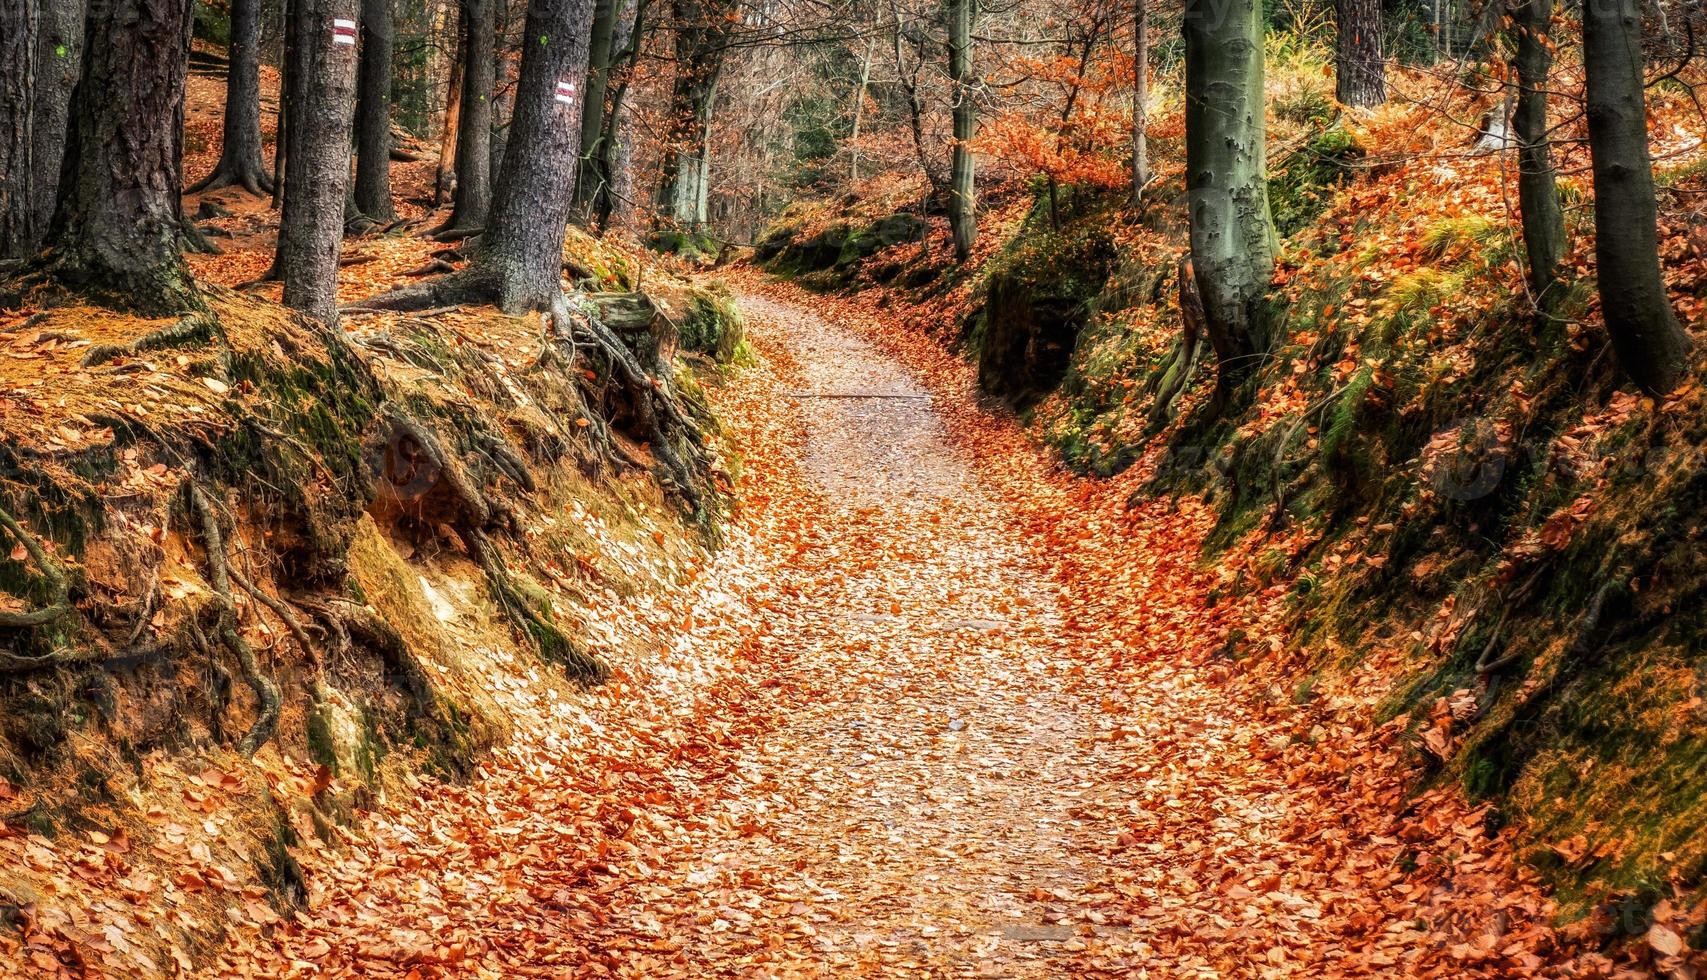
(936,778)
(933,711)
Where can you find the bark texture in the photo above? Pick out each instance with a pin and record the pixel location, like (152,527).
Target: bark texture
(701,36)
(962,195)
(115,230)
(18,27)
(373,113)
(523,244)
(1232,236)
(1360,66)
(1140,98)
(1650,344)
(1537,191)
(317,172)
(240,162)
(59,65)
(473,195)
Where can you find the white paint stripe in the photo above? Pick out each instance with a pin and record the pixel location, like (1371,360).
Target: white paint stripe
(341,22)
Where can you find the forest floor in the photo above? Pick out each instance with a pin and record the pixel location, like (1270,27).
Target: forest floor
(936,709)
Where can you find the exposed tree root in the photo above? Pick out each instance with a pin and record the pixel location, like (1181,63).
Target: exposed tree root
(267,696)
(197,328)
(532,622)
(59,584)
(227,174)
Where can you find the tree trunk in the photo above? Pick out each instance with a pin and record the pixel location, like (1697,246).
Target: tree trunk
(1232,236)
(115,230)
(614,190)
(590,179)
(19,23)
(473,194)
(1538,197)
(373,113)
(1140,99)
(523,246)
(317,173)
(859,110)
(1651,345)
(1360,67)
(444,179)
(240,162)
(962,195)
(702,28)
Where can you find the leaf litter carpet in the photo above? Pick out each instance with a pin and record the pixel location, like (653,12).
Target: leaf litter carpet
(936,709)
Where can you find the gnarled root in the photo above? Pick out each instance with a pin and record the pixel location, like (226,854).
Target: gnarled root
(197,328)
(550,641)
(219,576)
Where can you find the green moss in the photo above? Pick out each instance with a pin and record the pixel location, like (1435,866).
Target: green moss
(712,324)
(1301,187)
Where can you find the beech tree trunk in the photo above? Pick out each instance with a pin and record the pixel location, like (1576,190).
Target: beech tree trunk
(473,195)
(1538,195)
(240,162)
(523,245)
(1140,99)
(702,29)
(590,178)
(317,171)
(962,195)
(1360,67)
(614,194)
(373,113)
(115,231)
(1232,235)
(1650,344)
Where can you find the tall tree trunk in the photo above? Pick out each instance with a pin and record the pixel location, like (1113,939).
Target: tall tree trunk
(19,24)
(115,230)
(859,110)
(1360,68)
(240,163)
(1537,194)
(1651,345)
(1232,236)
(590,178)
(373,113)
(962,195)
(506,62)
(523,245)
(444,181)
(473,194)
(1140,99)
(317,173)
(615,179)
(702,29)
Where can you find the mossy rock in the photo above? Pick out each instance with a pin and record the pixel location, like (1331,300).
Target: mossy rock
(712,324)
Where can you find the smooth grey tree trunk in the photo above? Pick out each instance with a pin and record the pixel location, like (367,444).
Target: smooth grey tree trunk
(473,195)
(962,194)
(590,179)
(1140,99)
(1360,66)
(702,29)
(240,162)
(317,171)
(1232,235)
(373,113)
(523,244)
(614,194)
(1537,192)
(1650,344)
(115,230)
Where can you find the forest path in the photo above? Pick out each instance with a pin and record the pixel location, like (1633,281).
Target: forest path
(933,777)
